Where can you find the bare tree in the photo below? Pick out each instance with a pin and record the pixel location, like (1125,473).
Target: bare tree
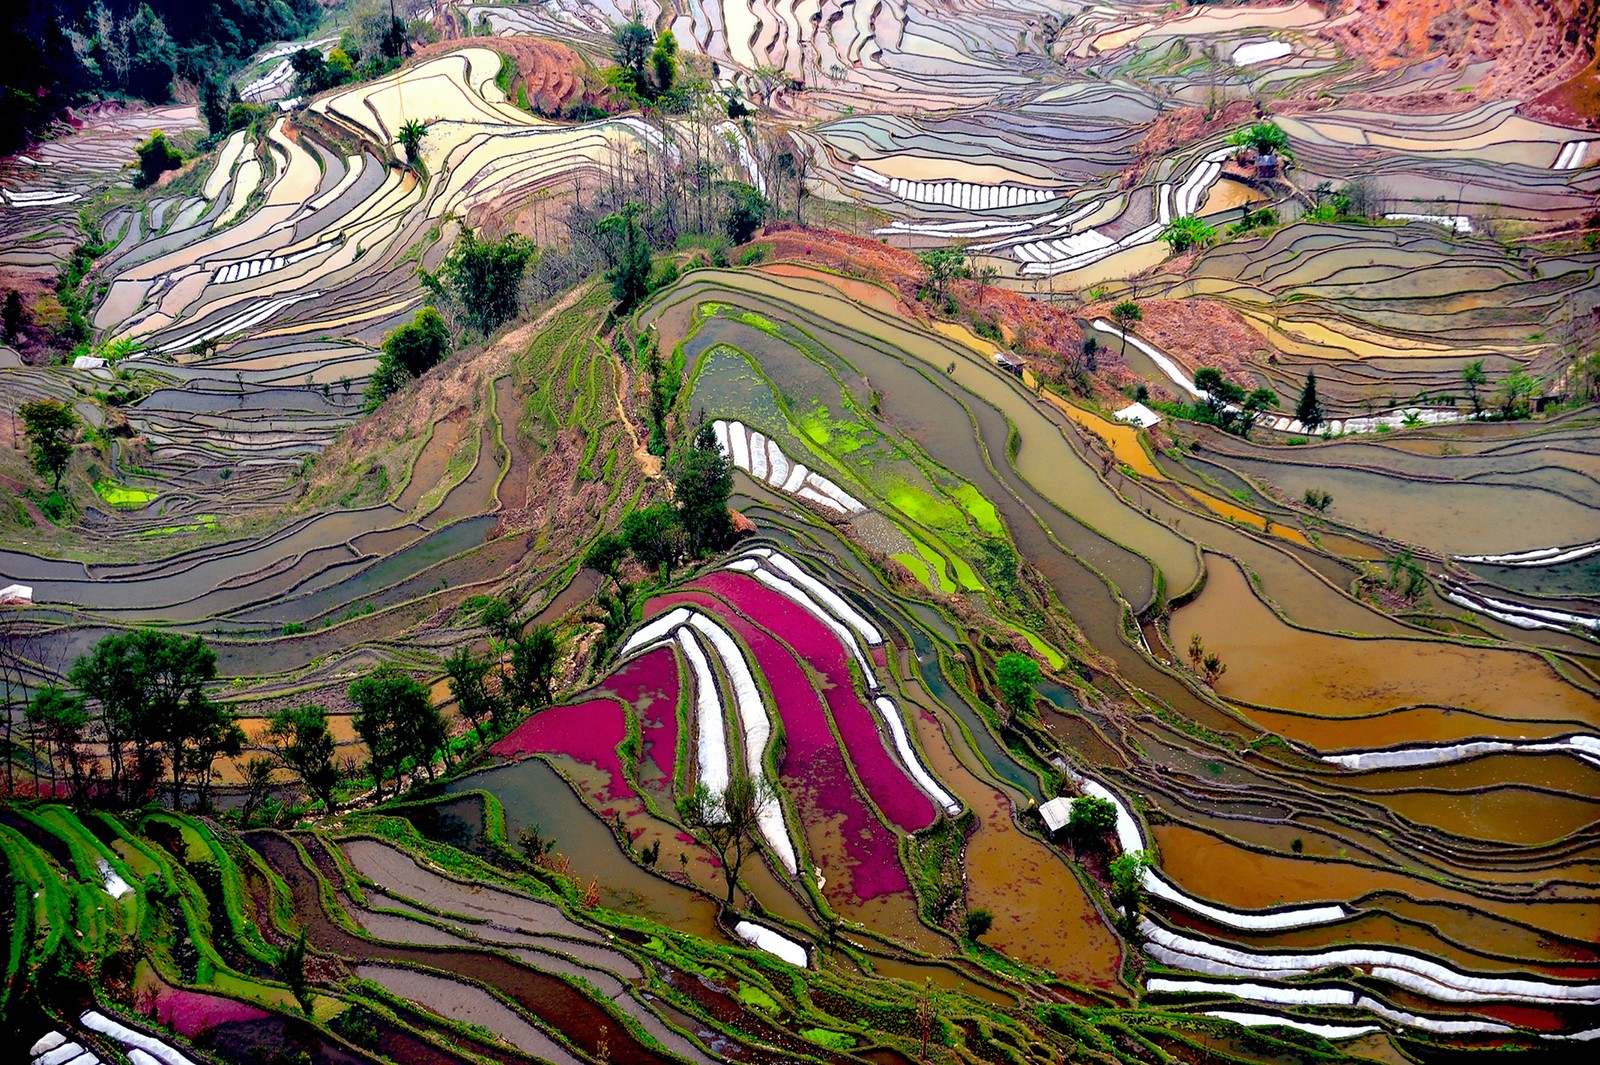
(727,822)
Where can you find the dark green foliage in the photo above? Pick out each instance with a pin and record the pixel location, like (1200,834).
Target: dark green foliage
(650,347)
(1090,820)
(303,744)
(943,265)
(497,615)
(1126,314)
(628,250)
(664,62)
(632,43)
(978,923)
(410,138)
(61,53)
(1227,405)
(704,481)
(606,554)
(655,537)
(1189,231)
(420,346)
(534,657)
(292,970)
(1317,498)
(747,211)
(1016,675)
(50,427)
(13,316)
(1309,410)
(148,689)
(467,673)
(1127,885)
(484,278)
(397,720)
(63,720)
(156,157)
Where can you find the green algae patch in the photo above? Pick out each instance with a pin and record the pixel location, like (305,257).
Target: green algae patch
(204,521)
(979,508)
(755,998)
(123,497)
(832,1040)
(1050,654)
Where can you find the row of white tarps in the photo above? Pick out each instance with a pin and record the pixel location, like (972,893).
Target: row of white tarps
(783,575)
(764,460)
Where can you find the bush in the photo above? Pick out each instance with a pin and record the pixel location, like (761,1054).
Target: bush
(978,923)
(156,157)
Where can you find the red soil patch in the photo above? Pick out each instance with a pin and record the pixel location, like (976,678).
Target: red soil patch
(550,76)
(1037,330)
(1196,332)
(1535,45)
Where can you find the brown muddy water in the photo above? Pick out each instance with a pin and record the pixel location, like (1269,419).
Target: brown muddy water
(1337,678)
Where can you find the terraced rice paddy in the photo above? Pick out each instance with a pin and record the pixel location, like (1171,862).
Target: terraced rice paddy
(1338,681)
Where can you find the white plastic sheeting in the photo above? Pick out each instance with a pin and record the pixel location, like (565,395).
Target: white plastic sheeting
(99,1022)
(1544,556)
(1260,52)
(766,939)
(1571,155)
(1269,994)
(1583,746)
(1521,615)
(1130,838)
(711,745)
(764,460)
(1326,1031)
(1424,976)
(1429,1024)
(908,756)
(655,630)
(834,601)
(755,728)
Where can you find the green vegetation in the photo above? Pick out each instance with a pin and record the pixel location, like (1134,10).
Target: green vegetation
(408,352)
(1016,675)
(1190,231)
(156,157)
(483,280)
(50,427)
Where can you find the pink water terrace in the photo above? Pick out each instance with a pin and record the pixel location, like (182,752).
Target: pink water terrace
(813,771)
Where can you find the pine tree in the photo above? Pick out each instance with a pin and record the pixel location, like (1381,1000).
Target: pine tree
(1309,410)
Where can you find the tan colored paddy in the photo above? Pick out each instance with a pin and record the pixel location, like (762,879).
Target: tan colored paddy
(1122,438)
(921,168)
(1336,678)
(1228,195)
(1233,512)
(1217,871)
(1042,913)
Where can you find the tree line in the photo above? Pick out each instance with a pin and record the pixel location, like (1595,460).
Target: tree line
(62,53)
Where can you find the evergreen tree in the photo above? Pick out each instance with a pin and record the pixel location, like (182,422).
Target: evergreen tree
(1309,410)
(703,484)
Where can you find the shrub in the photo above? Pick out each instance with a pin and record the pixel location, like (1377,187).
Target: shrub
(978,923)
(156,157)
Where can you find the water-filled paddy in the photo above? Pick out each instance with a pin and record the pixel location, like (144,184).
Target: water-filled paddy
(1338,678)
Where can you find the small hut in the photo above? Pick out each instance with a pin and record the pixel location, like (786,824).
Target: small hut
(1267,165)
(1009,363)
